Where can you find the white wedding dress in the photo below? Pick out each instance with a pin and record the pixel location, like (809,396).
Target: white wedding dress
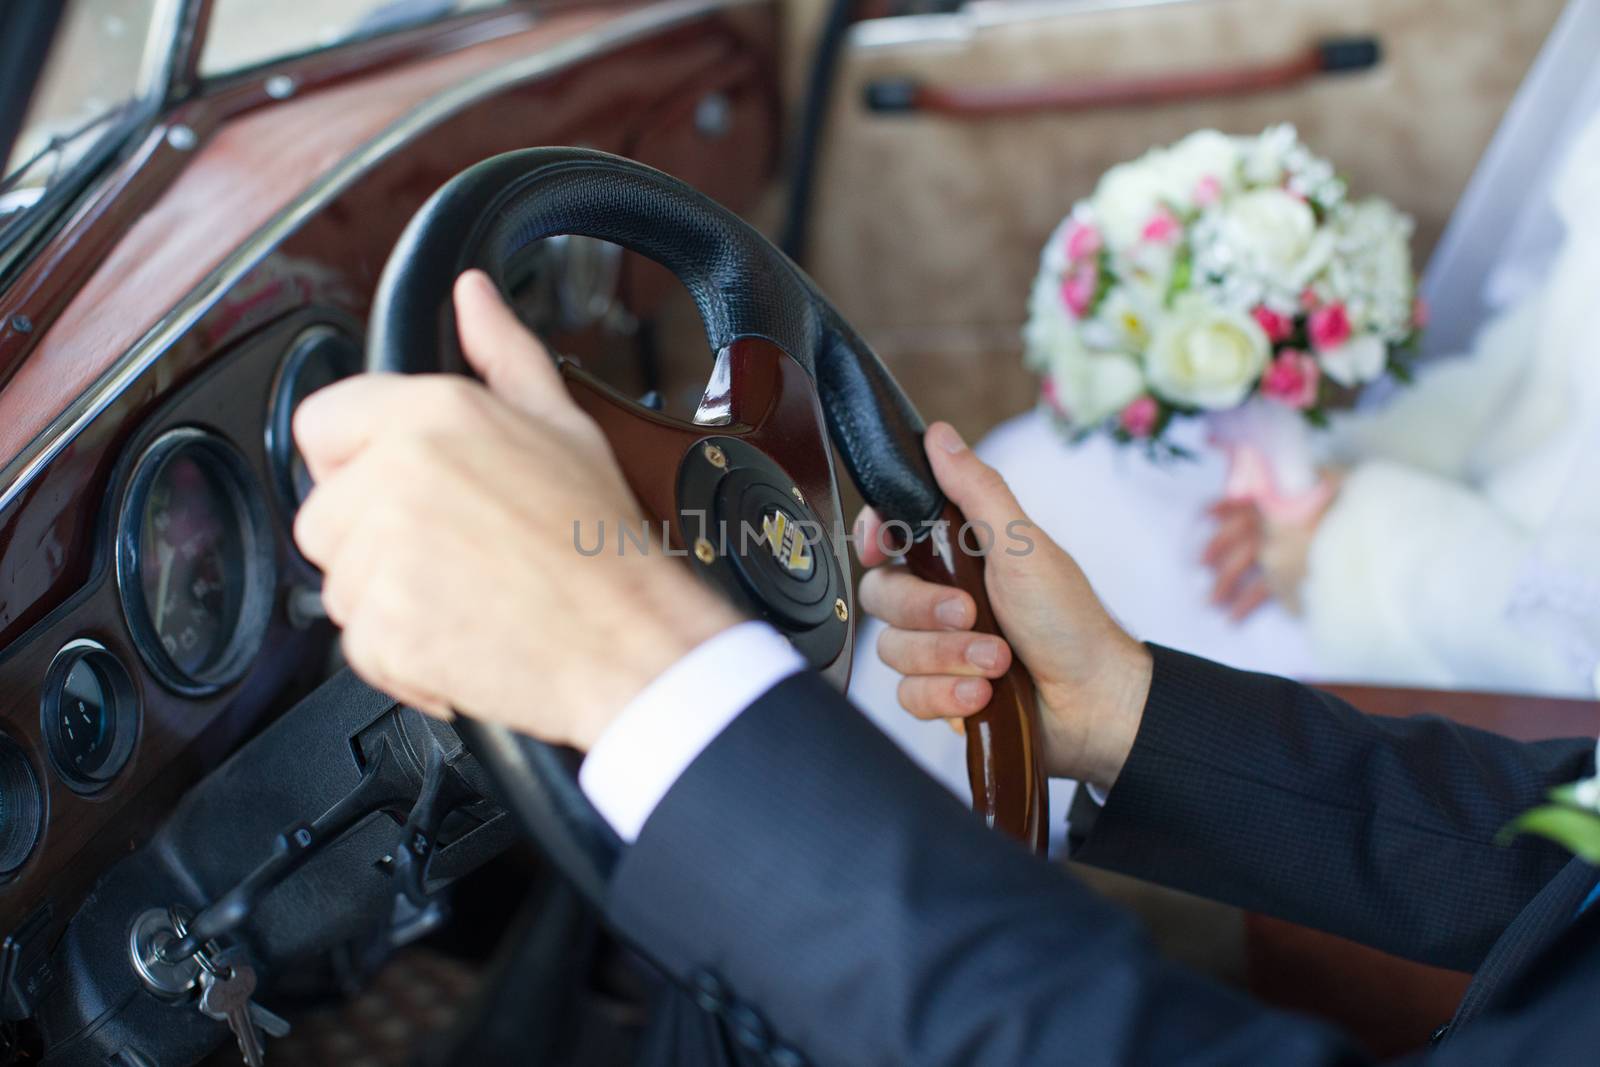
(1463,550)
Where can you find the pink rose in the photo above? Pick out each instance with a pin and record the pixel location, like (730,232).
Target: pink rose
(1308,298)
(1329,327)
(1419,313)
(1140,416)
(1083,241)
(1163,227)
(1291,379)
(1047,390)
(1078,286)
(1207,191)
(1277,327)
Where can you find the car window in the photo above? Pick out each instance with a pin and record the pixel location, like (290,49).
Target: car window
(102,61)
(247,33)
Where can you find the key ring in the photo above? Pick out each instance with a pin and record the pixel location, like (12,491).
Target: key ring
(204,955)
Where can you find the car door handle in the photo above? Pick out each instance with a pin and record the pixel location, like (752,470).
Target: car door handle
(1330,56)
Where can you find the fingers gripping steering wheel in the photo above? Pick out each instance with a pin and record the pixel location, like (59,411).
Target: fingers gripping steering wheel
(789,376)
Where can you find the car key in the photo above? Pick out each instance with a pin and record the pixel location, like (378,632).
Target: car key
(271,1023)
(225,995)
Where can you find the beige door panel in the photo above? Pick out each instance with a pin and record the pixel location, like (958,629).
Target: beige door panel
(926,229)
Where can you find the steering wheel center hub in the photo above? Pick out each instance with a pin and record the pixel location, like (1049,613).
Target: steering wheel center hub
(770,552)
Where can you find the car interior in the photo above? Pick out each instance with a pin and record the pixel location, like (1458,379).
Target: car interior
(768,236)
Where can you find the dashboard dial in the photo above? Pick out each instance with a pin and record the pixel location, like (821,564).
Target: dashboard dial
(195,562)
(83,720)
(21,807)
(88,715)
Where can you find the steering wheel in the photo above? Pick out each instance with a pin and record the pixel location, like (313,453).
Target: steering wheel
(789,376)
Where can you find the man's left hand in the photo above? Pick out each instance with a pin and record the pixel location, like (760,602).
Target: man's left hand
(445,521)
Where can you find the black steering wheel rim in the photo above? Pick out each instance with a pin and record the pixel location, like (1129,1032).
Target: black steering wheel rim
(743,286)
(489,215)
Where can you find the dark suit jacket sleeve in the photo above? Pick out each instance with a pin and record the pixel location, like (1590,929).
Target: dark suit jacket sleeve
(1285,800)
(830,900)
(834,905)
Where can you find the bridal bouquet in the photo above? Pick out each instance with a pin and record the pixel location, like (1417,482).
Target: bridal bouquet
(1213,271)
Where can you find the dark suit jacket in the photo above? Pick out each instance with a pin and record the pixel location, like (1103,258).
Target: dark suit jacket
(831,904)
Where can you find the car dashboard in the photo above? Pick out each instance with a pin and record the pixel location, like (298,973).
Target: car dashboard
(154,611)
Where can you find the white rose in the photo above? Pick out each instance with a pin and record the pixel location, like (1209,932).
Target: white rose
(1126,197)
(1088,386)
(1124,319)
(1205,356)
(1356,362)
(1264,156)
(1202,154)
(1370,269)
(1053,258)
(1049,327)
(1274,235)
(1093,386)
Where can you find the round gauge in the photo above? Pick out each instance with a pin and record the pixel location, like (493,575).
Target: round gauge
(89,715)
(319,356)
(21,807)
(195,562)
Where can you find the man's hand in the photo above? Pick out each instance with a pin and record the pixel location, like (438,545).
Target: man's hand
(1091,676)
(443,520)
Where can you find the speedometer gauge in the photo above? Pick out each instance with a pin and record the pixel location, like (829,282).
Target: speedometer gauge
(192,567)
(195,562)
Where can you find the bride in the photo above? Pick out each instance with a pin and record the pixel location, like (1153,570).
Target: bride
(1461,547)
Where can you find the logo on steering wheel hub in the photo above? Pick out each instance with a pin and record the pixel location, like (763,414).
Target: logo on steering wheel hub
(787,543)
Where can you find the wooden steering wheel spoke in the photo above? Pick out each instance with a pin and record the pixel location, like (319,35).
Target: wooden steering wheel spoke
(769,401)
(648,445)
(1004,735)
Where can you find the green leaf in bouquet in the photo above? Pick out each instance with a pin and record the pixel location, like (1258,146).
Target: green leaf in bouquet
(1316,417)
(1573,828)
(1182,274)
(1160,450)
(1400,359)
(1105,279)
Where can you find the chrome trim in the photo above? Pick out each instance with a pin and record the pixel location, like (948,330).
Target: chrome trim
(619,32)
(962,25)
(167,42)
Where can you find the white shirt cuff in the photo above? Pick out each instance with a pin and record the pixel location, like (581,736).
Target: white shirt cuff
(672,720)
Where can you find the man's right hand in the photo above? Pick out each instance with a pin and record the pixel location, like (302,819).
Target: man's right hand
(1092,677)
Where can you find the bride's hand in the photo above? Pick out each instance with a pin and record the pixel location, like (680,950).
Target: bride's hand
(1234,556)
(1092,677)
(1257,558)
